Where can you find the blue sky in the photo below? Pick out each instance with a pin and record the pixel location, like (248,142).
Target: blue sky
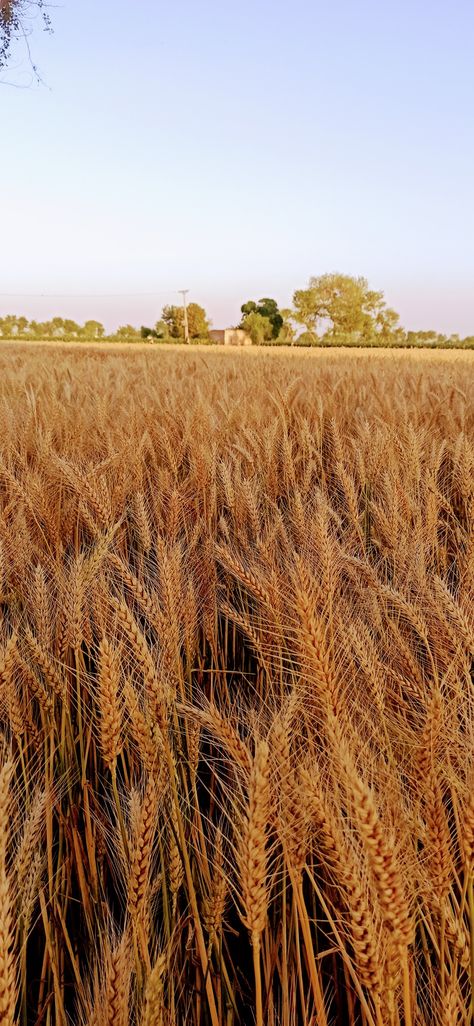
(236,149)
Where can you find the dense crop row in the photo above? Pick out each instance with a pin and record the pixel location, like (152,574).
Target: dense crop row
(236,694)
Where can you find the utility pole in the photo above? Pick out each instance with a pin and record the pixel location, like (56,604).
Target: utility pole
(183,293)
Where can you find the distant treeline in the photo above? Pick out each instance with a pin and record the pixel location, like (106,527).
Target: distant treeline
(334,310)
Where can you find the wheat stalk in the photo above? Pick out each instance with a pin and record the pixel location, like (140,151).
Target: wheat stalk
(7,955)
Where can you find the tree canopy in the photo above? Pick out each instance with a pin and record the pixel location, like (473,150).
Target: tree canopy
(256,314)
(58,327)
(343,305)
(198,323)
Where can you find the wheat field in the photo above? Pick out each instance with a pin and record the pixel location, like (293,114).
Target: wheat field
(236,688)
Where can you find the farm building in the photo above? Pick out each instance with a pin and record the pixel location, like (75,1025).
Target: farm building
(231,337)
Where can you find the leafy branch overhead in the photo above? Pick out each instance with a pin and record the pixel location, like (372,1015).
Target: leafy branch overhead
(17,18)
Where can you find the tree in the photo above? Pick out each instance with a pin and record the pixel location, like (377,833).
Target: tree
(57,325)
(267,308)
(307,338)
(425,338)
(35,329)
(93,329)
(287,334)
(162,330)
(345,306)
(258,327)
(71,328)
(12,325)
(127,331)
(198,324)
(386,324)
(22,324)
(16,17)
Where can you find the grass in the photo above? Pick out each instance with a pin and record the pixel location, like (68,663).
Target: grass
(236,687)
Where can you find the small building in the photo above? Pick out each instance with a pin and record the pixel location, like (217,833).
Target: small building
(231,337)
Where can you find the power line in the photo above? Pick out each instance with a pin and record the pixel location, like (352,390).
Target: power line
(82,295)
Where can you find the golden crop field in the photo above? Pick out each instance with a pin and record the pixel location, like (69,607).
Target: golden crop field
(236,688)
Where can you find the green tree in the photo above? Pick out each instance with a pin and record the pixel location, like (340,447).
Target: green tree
(127,331)
(93,329)
(35,329)
(267,308)
(71,328)
(15,326)
(258,327)
(9,326)
(307,338)
(162,330)
(198,323)
(287,334)
(57,325)
(45,329)
(425,338)
(344,306)
(40,329)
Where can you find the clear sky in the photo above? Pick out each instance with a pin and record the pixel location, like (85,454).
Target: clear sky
(236,147)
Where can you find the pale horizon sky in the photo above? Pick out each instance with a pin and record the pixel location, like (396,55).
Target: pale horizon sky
(236,150)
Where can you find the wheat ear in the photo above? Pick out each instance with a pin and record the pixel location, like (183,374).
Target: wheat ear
(110,726)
